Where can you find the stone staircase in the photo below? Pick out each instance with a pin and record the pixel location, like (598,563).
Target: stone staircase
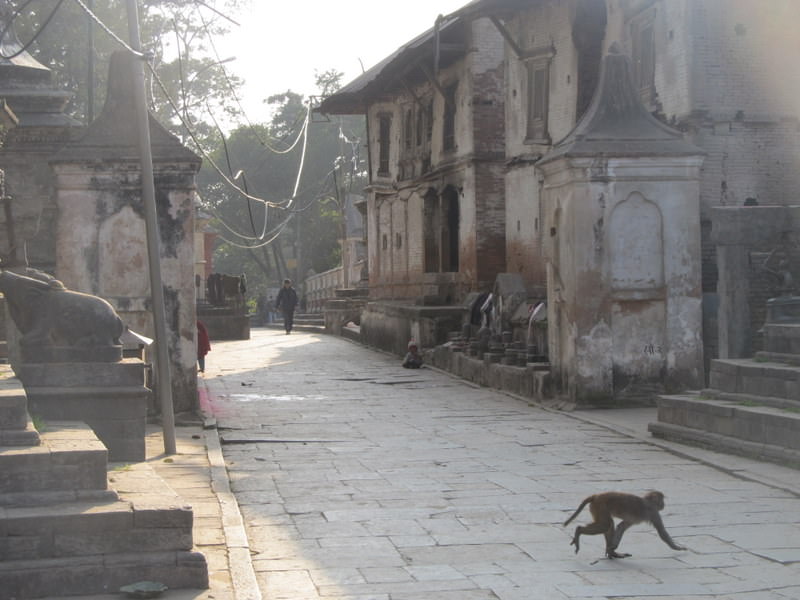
(71,526)
(752,406)
(313,322)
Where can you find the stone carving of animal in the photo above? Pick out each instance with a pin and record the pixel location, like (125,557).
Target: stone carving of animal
(48,314)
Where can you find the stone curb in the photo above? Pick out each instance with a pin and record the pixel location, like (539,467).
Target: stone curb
(243,577)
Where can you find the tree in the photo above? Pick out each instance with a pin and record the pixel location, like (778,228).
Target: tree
(308,225)
(177,34)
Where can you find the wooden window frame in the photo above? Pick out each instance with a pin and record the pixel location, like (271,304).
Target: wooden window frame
(537,107)
(384,143)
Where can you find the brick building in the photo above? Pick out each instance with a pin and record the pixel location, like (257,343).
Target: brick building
(708,68)
(435,200)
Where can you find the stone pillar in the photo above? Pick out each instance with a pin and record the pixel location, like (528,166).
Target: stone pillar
(733,287)
(738,232)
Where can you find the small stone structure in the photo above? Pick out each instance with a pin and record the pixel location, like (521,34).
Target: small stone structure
(751,404)
(224,311)
(621,207)
(101,233)
(751,242)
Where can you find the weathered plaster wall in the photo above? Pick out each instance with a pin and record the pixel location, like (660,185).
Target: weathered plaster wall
(547,25)
(101,244)
(396,213)
(624,297)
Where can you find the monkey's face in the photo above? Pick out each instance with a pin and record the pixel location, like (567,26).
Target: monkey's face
(656,499)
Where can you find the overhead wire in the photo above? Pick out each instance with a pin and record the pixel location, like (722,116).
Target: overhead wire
(238,101)
(175,108)
(211,161)
(108,30)
(285,204)
(14,15)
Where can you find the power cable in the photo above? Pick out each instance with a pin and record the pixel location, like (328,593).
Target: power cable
(24,47)
(113,35)
(202,151)
(286,204)
(238,101)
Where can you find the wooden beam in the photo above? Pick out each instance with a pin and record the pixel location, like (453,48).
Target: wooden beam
(507,36)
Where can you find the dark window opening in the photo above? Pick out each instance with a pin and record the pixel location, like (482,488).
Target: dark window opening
(450,231)
(409,129)
(644,56)
(588,31)
(441,224)
(449,118)
(430,228)
(384,139)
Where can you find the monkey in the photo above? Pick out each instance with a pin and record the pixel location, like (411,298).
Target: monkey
(630,509)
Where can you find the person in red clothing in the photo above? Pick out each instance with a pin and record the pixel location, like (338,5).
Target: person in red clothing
(203,345)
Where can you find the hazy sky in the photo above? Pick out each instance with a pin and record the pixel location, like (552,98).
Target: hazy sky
(281,43)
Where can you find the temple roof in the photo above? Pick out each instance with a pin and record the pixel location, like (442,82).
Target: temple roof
(114,134)
(617,123)
(403,64)
(26,84)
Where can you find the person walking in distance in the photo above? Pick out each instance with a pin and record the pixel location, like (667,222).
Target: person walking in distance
(286,302)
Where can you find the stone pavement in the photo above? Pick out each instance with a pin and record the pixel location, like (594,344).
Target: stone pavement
(358,480)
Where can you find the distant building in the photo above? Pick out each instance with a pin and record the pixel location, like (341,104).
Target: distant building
(461,116)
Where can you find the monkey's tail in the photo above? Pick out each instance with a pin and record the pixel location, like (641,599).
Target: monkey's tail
(579,509)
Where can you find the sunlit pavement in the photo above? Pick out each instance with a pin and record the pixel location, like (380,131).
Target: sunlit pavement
(358,479)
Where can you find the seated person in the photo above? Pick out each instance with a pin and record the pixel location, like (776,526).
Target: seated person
(413,359)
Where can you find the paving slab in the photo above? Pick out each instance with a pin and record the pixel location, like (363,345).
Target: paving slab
(359,480)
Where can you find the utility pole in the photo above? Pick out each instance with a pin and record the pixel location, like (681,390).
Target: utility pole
(163,376)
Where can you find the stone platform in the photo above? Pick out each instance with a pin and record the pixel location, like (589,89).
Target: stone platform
(752,408)
(71,524)
(114,404)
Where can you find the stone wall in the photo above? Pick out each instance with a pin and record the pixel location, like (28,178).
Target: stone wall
(744,237)
(390,326)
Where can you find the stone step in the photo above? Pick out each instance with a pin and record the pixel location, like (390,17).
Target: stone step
(747,376)
(726,444)
(100,574)
(752,399)
(91,528)
(759,431)
(69,459)
(13,405)
(118,415)
(20,437)
(90,547)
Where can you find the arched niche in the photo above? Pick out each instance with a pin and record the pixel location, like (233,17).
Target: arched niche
(123,250)
(636,245)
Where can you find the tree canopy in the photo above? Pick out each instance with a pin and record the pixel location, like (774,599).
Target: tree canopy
(267,159)
(297,165)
